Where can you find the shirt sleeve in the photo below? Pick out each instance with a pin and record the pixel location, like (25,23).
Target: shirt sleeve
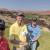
(29,28)
(25,30)
(11,32)
(38,35)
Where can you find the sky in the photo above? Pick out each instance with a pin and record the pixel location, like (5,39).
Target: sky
(26,4)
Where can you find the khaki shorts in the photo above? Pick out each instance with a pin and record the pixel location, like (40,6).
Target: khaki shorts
(22,48)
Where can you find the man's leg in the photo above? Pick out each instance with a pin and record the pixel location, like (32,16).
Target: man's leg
(33,46)
(14,47)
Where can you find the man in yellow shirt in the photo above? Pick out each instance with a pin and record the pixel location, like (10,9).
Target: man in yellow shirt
(18,32)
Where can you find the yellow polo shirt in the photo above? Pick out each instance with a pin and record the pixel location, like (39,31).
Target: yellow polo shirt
(19,31)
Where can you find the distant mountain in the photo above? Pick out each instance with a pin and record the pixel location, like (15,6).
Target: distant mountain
(47,12)
(39,12)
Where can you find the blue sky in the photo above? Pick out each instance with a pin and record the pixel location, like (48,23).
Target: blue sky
(26,4)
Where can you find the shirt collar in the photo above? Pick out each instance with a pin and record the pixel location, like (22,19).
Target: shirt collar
(34,26)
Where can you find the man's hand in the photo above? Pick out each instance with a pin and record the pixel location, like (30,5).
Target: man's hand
(34,39)
(23,44)
(15,41)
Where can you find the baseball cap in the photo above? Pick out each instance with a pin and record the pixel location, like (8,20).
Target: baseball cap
(20,14)
(34,19)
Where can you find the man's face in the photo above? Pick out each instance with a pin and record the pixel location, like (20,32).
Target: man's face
(19,19)
(33,22)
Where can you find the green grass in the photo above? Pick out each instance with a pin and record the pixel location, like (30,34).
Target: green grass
(44,40)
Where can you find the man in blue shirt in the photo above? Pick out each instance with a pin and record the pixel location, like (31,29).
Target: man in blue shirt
(34,33)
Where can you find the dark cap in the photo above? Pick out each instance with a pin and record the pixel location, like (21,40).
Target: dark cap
(20,14)
(34,19)
(2,24)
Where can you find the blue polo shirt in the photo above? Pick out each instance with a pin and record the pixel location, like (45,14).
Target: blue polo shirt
(34,32)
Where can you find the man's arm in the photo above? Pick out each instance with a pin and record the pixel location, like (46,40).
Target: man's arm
(12,36)
(30,29)
(38,35)
(25,32)
(11,32)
